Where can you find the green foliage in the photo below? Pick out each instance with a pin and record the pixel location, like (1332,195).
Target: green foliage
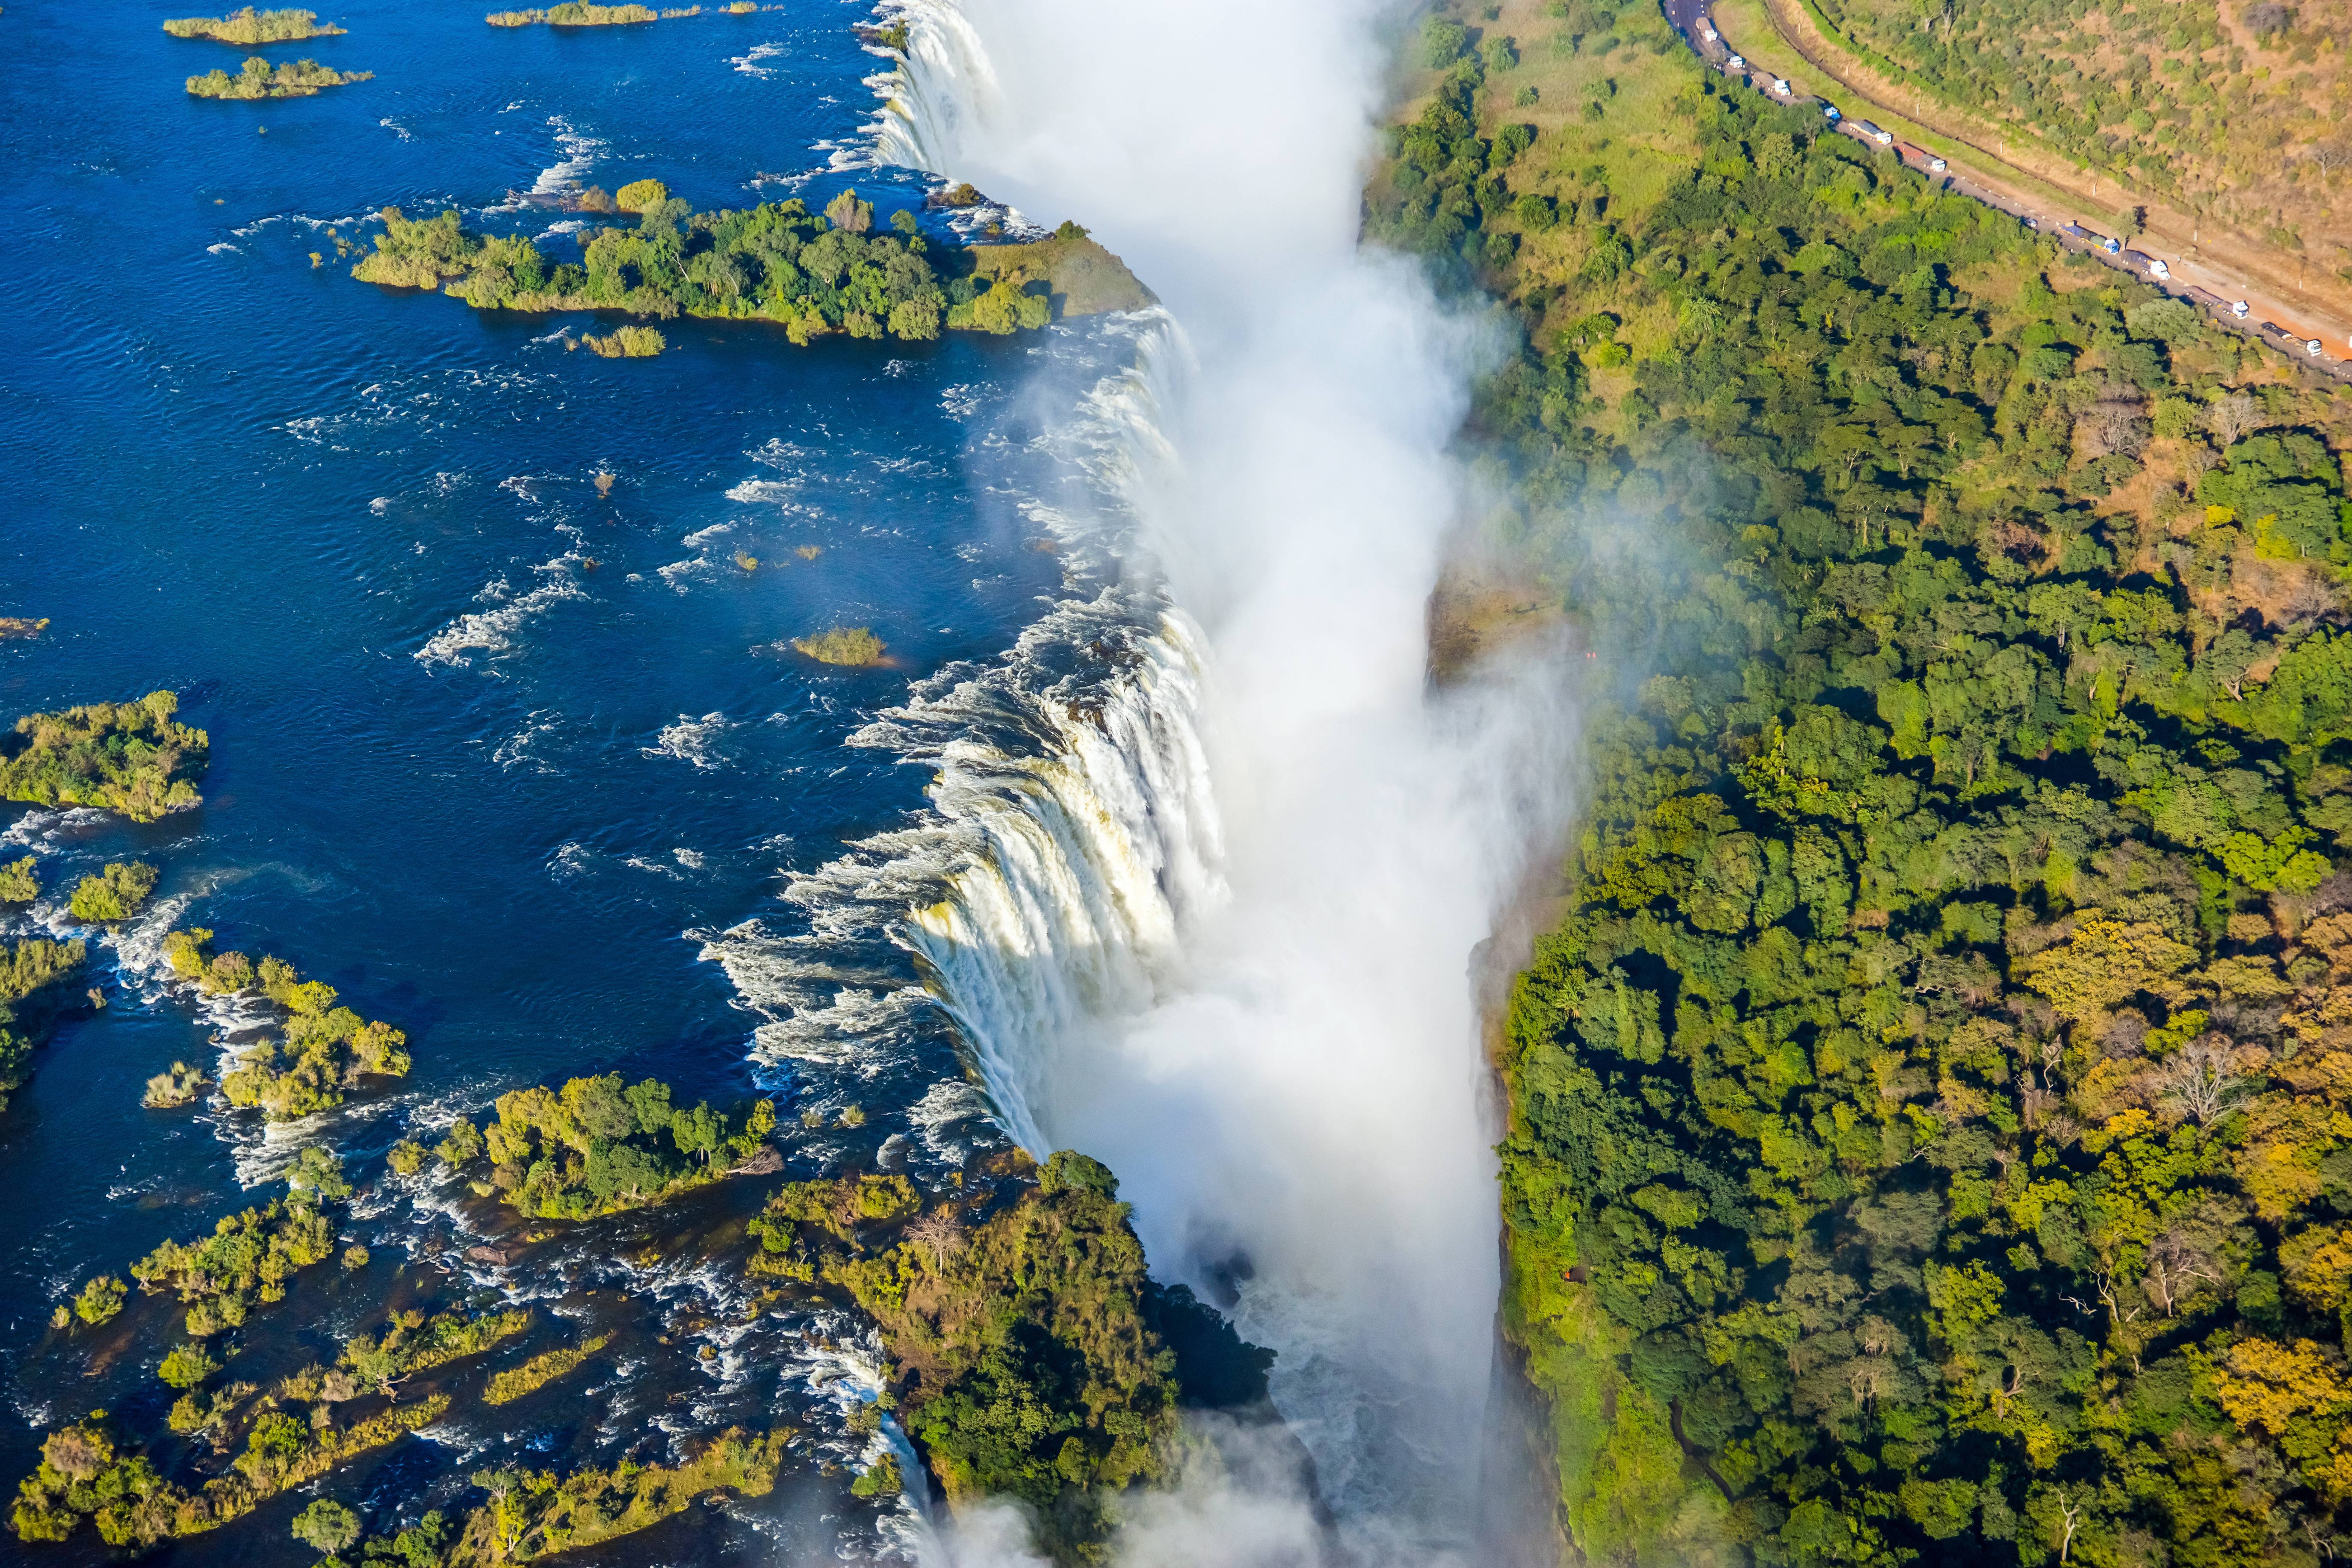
(180,1085)
(641,195)
(777,262)
(19,883)
(295,78)
(593,1147)
(506,1387)
(625,342)
(244,1263)
(100,1300)
(2179,102)
(31,971)
(413,1342)
(573,13)
(185,1366)
(881,1479)
(535,1514)
(325,1050)
(326,1526)
(1036,1359)
(843,645)
(114,894)
(249,27)
(1927,1112)
(130,757)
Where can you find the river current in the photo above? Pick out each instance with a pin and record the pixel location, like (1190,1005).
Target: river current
(508,745)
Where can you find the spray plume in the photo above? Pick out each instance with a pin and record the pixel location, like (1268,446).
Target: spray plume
(1295,1097)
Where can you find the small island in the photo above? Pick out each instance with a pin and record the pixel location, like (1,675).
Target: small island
(22,627)
(122,756)
(625,342)
(813,273)
(326,1050)
(249,27)
(593,1147)
(852,646)
(577,14)
(301,78)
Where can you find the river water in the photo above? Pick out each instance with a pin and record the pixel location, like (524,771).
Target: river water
(523,766)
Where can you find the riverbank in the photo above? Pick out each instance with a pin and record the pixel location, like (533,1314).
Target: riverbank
(1824,1087)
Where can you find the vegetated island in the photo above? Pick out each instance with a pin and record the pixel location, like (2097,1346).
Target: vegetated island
(843,645)
(13,627)
(625,342)
(597,1147)
(326,1050)
(249,27)
(1026,1295)
(296,78)
(575,14)
(1926,1134)
(129,757)
(814,273)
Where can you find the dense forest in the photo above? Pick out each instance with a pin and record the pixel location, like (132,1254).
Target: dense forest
(1929,1131)
(2232,107)
(255,79)
(1030,1353)
(813,272)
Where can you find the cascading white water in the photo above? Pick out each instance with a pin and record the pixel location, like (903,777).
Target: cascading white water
(1294,1099)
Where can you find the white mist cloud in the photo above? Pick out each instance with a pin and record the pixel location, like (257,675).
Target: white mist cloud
(1308,1091)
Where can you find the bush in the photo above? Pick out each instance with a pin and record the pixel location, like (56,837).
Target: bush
(843,645)
(326,1526)
(188,1365)
(100,1300)
(639,196)
(114,894)
(18,884)
(627,342)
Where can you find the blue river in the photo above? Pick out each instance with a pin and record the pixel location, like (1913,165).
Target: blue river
(500,748)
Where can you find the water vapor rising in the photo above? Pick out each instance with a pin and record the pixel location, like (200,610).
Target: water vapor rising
(1296,1104)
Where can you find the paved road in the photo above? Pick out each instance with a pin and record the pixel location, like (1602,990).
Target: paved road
(1689,16)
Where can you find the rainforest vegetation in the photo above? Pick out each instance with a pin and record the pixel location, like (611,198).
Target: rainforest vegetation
(295,78)
(325,1050)
(2229,106)
(249,27)
(130,757)
(595,1147)
(813,272)
(1928,1131)
(1031,1357)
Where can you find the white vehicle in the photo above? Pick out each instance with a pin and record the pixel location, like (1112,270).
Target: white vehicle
(1705,29)
(2312,348)
(2239,310)
(1781,86)
(2157,268)
(1738,62)
(1937,164)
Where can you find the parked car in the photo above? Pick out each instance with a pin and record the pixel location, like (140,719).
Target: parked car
(1829,112)
(1781,86)
(1738,62)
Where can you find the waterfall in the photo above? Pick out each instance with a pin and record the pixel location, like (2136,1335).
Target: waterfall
(929,101)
